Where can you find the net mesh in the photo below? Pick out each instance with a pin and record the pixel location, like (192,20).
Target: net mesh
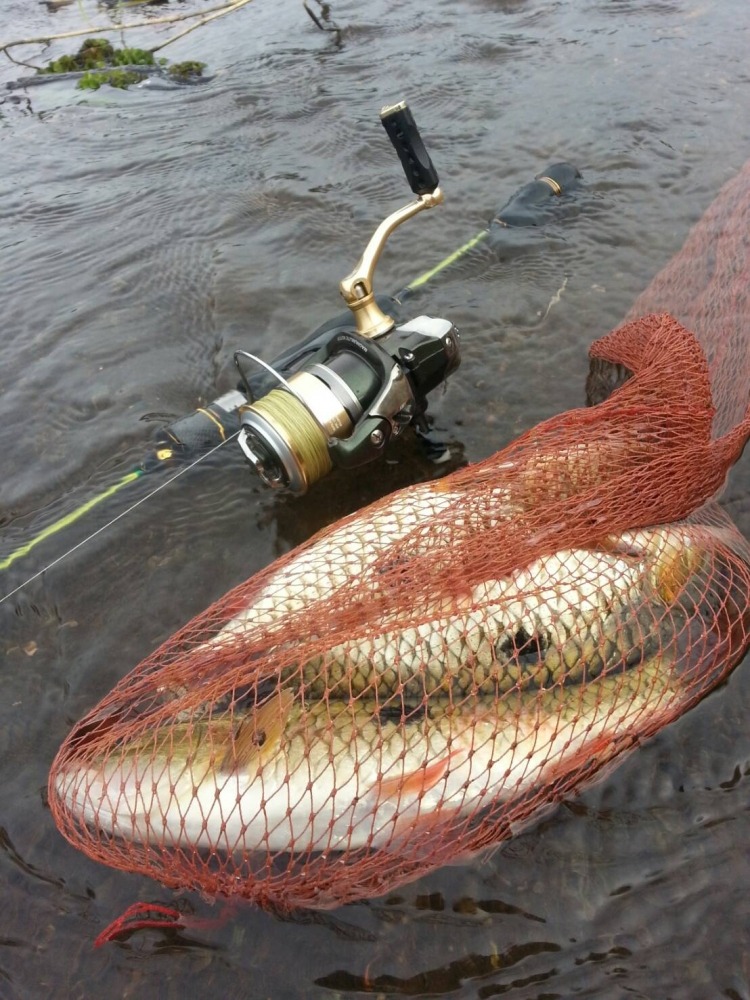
(422,678)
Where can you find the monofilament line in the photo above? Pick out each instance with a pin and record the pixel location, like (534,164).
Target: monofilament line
(128,510)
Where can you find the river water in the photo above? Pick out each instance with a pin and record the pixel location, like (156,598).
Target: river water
(147,234)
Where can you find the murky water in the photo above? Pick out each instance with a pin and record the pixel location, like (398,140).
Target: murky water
(147,234)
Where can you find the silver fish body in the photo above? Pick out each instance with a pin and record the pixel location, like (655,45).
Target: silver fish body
(348,775)
(331,562)
(565,618)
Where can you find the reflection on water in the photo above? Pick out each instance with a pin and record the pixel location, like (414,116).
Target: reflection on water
(450,977)
(145,235)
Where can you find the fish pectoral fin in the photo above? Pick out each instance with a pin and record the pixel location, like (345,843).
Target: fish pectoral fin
(592,755)
(417,782)
(258,735)
(673,570)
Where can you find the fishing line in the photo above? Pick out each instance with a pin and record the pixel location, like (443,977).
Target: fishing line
(128,510)
(299,426)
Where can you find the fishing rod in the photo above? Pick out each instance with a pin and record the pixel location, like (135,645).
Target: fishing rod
(341,394)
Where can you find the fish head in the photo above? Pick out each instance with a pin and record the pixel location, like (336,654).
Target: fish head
(186,783)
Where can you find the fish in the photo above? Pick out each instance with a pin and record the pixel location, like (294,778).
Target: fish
(423,519)
(564,618)
(340,776)
(338,557)
(284,771)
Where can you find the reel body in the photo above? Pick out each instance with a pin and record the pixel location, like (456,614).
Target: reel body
(346,400)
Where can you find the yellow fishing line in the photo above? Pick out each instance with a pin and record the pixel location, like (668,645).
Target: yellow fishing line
(70,518)
(424,278)
(299,429)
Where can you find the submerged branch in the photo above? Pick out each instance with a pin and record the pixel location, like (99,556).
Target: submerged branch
(18,62)
(205,16)
(325,12)
(209,16)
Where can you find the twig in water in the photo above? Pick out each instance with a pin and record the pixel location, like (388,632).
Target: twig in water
(219,12)
(325,14)
(225,8)
(19,62)
(555,299)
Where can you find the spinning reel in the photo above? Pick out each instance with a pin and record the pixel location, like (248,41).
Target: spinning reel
(338,397)
(362,380)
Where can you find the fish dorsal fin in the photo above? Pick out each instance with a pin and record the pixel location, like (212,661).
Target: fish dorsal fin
(258,735)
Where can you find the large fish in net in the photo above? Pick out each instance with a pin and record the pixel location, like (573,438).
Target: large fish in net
(424,676)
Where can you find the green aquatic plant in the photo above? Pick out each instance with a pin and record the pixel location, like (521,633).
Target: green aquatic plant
(187,70)
(95,50)
(93,54)
(98,53)
(120,78)
(99,61)
(65,64)
(132,57)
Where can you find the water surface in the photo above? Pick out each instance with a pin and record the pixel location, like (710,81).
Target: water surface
(147,234)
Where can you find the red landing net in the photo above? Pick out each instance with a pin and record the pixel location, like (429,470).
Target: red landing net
(421,678)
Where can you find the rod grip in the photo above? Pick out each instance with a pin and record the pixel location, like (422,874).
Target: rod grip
(402,130)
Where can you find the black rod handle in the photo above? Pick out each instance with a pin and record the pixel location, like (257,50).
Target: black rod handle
(402,130)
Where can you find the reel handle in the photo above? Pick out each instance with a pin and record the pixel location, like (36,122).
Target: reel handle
(402,130)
